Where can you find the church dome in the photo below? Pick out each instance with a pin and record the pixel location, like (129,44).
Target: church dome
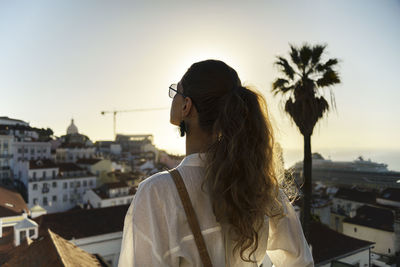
(72,129)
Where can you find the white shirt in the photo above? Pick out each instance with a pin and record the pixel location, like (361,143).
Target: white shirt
(156,231)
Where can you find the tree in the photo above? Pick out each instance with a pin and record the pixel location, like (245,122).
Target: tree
(301,86)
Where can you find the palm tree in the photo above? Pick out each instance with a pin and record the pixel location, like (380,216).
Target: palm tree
(301,84)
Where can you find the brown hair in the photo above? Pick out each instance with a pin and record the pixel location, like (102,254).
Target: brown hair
(240,173)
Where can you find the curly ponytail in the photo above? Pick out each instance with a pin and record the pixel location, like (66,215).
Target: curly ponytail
(240,173)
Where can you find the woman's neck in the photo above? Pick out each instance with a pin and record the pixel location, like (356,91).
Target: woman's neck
(197,142)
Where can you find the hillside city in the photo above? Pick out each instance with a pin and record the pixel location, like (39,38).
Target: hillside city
(63,199)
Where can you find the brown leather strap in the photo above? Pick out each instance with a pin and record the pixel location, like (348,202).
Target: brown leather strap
(191,216)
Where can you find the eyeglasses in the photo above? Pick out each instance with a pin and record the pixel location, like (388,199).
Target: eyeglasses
(173,90)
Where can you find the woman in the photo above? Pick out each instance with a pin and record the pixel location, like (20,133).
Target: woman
(230,176)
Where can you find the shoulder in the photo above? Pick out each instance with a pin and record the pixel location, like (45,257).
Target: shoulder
(155,184)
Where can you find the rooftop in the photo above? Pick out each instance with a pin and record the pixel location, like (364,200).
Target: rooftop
(356,195)
(84,223)
(333,245)
(11,203)
(392,194)
(373,217)
(88,161)
(50,250)
(42,164)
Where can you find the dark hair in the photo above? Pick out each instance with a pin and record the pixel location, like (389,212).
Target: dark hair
(240,174)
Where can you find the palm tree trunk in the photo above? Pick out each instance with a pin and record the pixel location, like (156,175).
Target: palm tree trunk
(307,187)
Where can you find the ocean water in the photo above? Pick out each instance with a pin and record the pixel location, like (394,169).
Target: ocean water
(386,156)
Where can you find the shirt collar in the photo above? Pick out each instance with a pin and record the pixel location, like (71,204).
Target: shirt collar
(195,159)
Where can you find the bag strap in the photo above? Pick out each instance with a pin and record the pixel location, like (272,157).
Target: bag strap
(191,216)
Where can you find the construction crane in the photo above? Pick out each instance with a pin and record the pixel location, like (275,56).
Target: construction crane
(114,112)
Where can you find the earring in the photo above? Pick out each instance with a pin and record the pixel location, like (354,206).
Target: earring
(182,128)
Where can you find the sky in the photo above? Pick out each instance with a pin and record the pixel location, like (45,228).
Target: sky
(73,59)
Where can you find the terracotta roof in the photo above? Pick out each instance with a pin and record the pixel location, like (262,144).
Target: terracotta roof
(42,164)
(84,223)
(88,161)
(356,195)
(50,250)
(392,194)
(115,185)
(103,193)
(67,167)
(374,217)
(328,244)
(11,203)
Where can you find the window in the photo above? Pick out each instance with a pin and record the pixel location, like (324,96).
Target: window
(34,187)
(32,151)
(34,175)
(19,150)
(55,198)
(78,184)
(90,182)
(71,184)
(35,201)
(45,203)
(54,174)
(65,198)
(31,232)
(85,183)
(355,229)
(44,174)
(54,184)
(65,185)
(26,150)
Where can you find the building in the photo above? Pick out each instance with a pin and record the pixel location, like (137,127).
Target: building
(74,146)
(5,156)
(97,231)
(110,194)
(12,207)
(96,166)
(15,226)
(389,197)
(345,203)
(50,250)
(57,186)
(108,148)
(330,248)
(375,224)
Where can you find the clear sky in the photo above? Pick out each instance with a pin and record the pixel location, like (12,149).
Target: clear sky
(64,59)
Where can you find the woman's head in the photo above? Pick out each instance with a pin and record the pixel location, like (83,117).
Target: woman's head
(240,174)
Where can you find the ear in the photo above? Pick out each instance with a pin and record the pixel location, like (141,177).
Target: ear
(187,107)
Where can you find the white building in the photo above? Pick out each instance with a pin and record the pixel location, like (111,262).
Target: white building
(375,224)
(345,203)
(5,156)
(57,187)
(71,153)
(109,194)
